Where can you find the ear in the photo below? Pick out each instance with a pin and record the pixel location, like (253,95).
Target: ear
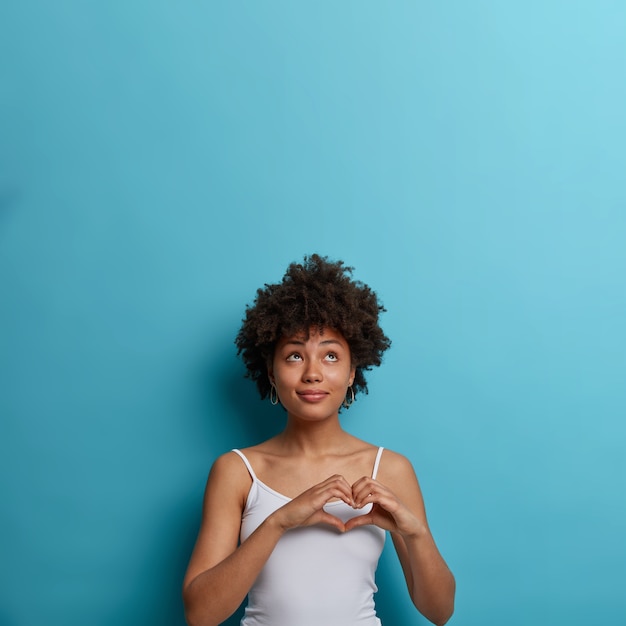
(352,375)
(270,374)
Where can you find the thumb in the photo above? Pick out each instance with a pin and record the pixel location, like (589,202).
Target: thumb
(327,518)
(359,520)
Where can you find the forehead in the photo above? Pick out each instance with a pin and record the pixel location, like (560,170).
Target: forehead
(314,335)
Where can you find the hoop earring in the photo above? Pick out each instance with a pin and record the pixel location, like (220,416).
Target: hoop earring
(345,401)
(273,395)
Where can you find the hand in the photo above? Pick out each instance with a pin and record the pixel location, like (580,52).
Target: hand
(387,512)
(307,509)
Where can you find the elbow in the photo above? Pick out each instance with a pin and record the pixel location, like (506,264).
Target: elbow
(444,616)
(440,616)
(194,615)
(446,606)
(193,619)
(190,618)
(438,609)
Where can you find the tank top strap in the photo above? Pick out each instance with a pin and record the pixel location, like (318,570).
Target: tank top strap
(377,462)
(245,460)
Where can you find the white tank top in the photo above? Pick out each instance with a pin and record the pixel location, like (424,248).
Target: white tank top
(316,576)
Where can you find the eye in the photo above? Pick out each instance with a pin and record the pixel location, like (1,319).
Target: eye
(332,356)
(294,357)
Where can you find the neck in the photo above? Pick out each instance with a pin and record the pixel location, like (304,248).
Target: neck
(314,438)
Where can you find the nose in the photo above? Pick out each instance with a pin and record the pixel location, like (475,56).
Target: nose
(312,372)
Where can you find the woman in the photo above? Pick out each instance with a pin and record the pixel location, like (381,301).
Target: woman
(297,523)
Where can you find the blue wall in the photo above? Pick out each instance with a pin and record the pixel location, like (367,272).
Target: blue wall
(160,161)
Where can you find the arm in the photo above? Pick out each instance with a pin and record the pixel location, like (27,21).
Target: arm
(220,573)
(399,508)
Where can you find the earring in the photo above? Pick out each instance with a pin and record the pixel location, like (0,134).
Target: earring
(273,395)
(345,401)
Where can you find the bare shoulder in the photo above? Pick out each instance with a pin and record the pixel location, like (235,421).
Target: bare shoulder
(229,475)
(229,464)
(396,472)
(395,465)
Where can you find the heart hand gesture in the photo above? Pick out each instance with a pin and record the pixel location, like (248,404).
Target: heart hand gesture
(308,508)
(387,512)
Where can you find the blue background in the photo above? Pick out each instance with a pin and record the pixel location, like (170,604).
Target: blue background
(160,161)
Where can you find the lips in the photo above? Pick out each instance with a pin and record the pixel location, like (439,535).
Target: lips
(312,395)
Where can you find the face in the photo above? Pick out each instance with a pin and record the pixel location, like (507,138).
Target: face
(312,374)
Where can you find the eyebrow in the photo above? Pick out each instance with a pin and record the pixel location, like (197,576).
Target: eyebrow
(299,342)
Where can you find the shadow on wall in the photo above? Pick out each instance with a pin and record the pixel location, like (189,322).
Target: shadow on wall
(161,604)
(9,197)
(5,620)
(230,413)
(253,420)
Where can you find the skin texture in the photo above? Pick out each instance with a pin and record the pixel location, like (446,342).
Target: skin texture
(313,461)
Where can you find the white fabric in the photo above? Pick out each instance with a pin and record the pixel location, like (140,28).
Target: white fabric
(316,576)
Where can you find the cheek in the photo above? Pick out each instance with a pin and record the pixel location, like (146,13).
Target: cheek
(284,375)
(345,376)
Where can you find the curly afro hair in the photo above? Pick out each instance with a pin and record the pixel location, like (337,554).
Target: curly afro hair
(317,293)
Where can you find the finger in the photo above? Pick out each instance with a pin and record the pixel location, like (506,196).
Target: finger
(333,492)
(334,496)
(336,479)
(366,485)
(326,518)
(315,498)
(359,520)
(337,487)
(372,491)
(385,502)
(366,495)
(359,483)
